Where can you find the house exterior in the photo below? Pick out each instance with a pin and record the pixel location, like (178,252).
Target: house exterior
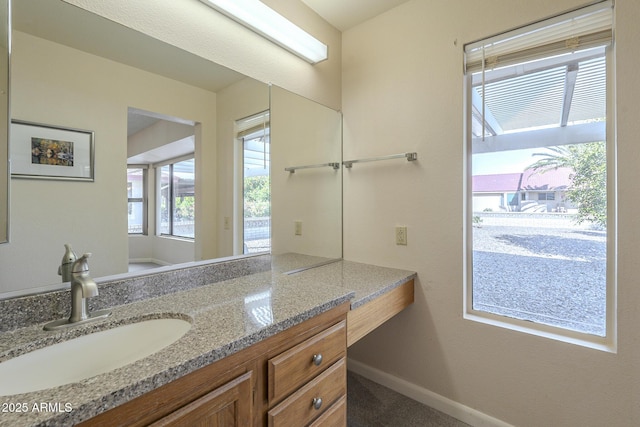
(527,191)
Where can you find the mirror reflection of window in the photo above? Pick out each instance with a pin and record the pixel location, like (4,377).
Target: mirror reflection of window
(137,199)
(253,133)
(176,199)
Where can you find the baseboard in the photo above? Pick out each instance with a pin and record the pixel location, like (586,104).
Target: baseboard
(427,397)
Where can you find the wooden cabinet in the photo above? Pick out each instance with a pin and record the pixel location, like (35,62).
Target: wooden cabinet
(296,366)
(229,405)
(335,416)
(294,378)
(274,381)
(221,394)
(312,399)
(369,316)
(310,377)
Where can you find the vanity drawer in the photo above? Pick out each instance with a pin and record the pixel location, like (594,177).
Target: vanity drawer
(336,416)
(293,368)
(303,406)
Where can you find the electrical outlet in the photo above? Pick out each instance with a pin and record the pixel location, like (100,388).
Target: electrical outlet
(227,223)
(298,228)
(401,236)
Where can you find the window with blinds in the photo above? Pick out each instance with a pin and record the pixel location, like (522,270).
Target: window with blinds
(254,134)
(579,30)
(537,124)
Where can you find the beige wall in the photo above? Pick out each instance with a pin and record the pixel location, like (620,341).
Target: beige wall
(402,91)
(57,85)
(157,135)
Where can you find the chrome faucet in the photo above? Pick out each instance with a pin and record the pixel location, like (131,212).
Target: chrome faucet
(83,287)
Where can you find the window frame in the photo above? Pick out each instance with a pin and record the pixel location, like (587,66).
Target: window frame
(608,342)
(144,199)
(158,168)
(246,129)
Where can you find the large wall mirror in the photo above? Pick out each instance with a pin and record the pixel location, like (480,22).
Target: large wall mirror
(307,176)
(159,117)
(4,119)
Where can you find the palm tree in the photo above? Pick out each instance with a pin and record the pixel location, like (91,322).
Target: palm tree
(588,187)
(558,157)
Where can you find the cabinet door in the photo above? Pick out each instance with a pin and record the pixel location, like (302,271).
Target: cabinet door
(229,405)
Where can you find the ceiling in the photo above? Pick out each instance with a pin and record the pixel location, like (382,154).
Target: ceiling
(77,28)
(345,14)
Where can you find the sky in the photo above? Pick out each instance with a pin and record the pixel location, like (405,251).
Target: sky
(503,161)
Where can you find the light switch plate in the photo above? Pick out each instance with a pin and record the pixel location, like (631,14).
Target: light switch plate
(401,236)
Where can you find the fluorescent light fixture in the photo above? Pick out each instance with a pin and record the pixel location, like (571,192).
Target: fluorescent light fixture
(265,21)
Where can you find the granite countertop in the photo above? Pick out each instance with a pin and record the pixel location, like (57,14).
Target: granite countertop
(366,281)
(226,317)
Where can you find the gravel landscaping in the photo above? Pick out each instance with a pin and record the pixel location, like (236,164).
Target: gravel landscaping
(555,276)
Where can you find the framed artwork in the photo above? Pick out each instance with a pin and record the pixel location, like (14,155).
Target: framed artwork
(51,152)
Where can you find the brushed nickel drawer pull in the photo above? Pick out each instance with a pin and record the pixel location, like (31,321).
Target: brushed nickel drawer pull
(317,402)
(317,359)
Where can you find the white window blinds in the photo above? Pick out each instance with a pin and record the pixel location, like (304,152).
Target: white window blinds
(252,124)
(581,29)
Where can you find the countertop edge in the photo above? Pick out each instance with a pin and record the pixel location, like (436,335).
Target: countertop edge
(367,298)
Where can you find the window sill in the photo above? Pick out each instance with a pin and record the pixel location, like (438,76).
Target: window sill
(178,238)
(606,344)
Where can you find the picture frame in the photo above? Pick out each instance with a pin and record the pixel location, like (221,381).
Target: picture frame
(41,151)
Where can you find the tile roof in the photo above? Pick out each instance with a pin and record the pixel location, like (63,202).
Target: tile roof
(553,180)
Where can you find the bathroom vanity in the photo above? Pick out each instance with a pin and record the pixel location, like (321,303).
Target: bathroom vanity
(265,348)
(274,381)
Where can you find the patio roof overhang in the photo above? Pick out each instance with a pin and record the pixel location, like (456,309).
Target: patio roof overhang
(580,133)
(555,101)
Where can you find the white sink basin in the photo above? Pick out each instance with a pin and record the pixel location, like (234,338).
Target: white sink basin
(89,355)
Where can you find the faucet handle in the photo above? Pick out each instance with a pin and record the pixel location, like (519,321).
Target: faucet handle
(69,256)
(81,265)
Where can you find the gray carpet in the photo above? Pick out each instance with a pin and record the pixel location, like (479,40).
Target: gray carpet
(371,405)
